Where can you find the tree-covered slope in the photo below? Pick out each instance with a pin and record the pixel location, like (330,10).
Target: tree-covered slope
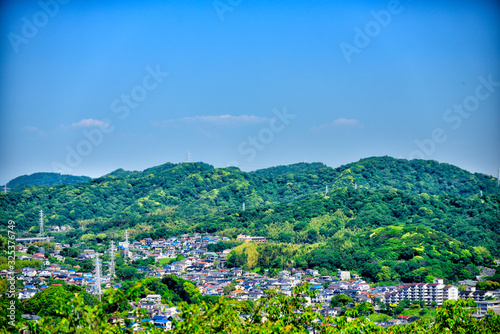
(407,253)
(197,196)
(415,176)
(474,220)
(401,253)
(44,179)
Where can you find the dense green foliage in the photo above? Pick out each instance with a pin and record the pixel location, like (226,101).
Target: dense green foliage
(172,289)
(197,188)
(400,253)
(42,303)
(277,313)
(44,179)
(287,204)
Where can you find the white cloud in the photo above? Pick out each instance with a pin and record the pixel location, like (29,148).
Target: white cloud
(88,123)
(351,122)
(220,120)
(35,130)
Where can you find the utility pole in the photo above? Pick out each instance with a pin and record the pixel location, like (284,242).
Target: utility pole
(98,278)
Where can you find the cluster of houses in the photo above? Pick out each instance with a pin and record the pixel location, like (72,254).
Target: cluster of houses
(161,248)
(207,271)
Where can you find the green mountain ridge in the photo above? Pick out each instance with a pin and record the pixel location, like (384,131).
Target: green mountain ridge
(284,203)
(23,182)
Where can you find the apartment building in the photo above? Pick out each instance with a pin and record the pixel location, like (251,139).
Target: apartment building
(429,292)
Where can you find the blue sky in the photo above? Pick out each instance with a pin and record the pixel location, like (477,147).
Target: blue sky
(87,87)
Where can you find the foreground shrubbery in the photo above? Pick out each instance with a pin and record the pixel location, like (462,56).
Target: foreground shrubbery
(275,314)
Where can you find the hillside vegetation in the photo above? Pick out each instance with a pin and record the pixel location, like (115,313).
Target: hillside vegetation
(287,204)
(44,179)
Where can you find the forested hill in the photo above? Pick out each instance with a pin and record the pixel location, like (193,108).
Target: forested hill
(391,253)
(44,179)
(197,189)
(415,176)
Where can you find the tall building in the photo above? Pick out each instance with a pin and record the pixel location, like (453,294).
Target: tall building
(429,292)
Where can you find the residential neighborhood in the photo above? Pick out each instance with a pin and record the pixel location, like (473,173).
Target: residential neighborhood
(187,257)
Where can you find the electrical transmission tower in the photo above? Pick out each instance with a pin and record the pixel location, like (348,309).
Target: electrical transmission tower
(97,276)
(243,206)
(188,156)
(112,260)
(326,190)
(41,223)
(5,189)
(126,245)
